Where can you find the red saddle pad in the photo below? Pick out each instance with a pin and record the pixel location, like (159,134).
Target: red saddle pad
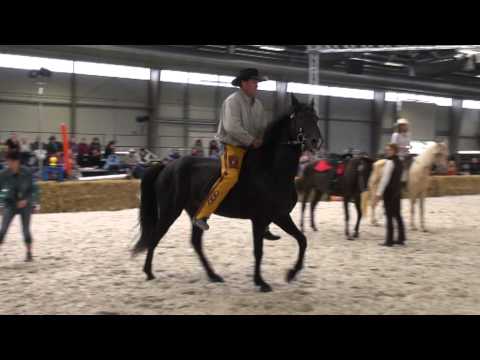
(322,165)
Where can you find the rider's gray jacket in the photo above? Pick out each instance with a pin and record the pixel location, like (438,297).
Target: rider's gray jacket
(242,119)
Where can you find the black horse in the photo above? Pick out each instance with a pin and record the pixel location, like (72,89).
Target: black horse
(350,186)
(265,192)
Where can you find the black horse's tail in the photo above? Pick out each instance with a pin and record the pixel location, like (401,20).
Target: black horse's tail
(148,209)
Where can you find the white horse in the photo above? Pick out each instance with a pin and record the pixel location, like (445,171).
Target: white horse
(418,181)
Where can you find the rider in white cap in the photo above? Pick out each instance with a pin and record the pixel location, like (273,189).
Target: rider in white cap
(402,138)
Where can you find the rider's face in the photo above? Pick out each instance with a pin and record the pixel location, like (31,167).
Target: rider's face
(250,87)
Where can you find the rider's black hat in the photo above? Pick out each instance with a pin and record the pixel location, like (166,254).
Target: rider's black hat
(248,74)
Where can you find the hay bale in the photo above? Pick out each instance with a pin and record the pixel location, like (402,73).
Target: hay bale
(98,195)
(454,185)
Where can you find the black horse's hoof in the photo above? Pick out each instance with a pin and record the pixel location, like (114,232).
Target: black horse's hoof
(150,277)
(356,235)
(291,275)
(265,288)
(350,237)
(314,229)
(216,278)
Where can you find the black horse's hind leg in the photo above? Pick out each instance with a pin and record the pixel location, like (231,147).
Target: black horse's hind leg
(359,214)
(286,224)
(258,231)
(197,234)
(306,195)
(346,199)
(161,229)
(158,234)
(313,205)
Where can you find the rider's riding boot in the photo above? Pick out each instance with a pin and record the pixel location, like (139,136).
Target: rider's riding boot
(201,223)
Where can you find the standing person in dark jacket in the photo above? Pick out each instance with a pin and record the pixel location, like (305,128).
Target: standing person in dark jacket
(13,143)
(109,149)
(390,188)
(20,196)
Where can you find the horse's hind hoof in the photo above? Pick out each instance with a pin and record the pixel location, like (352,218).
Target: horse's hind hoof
(290,275)
(350,237)
(216,278)
(265,288)
(356,235)
(150,277)
(314,229)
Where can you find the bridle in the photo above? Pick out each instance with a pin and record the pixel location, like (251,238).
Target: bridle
(300,138)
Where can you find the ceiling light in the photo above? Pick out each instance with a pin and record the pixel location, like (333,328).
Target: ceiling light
(272,48)
(469,51)
(388,63)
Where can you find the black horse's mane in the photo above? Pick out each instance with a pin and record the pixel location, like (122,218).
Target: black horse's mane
(273,132)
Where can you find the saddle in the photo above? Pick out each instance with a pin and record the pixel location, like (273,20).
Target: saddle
(325,165)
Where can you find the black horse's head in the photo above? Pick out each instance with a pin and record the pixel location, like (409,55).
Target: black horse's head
(304,125)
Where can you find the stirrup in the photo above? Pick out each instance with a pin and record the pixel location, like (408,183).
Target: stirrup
(201,223)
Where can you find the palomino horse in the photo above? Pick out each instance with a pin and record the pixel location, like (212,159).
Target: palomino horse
(418,181)
(265,191)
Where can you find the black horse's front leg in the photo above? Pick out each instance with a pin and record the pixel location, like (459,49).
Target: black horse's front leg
(258,232)
(286,224)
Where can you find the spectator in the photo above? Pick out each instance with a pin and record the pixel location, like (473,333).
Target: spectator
(13,143)
(109,149)
(95,145)
(112,163)
(3,152)
(24,152)
(59,146)
(133,162)
(83,148)
(306,158)
(474,166)
(37,144)
(213,149)
(83,153)
(95,152)
(73,146)
(197,149)
(172,156)
(452,168)
(132,158)
(52,146)
(143,156)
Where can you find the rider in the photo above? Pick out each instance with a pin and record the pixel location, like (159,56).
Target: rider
(402,138)
(242,125)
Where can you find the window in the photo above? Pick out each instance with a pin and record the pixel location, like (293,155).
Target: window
(471,104)
(310,89)
(183,77)
(395,97)
(35,63)
(119,71)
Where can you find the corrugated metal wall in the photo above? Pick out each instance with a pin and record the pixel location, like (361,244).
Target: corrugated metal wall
(108,108)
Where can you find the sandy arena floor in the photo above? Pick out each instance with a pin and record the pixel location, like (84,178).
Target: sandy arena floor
(82,266)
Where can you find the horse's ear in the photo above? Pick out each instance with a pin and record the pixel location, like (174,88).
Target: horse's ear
(295,101)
